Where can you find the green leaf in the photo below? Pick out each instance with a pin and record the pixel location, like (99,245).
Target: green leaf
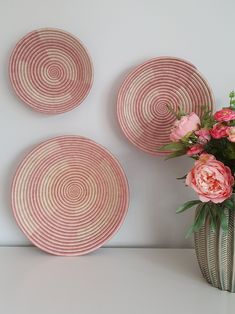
(213,217)
(187,136)
(187,205)
(207,118)
(229,204)
(232,105)
(172,146)
(176,154)
(182,178)
(232,94)
(230,150)
(200,219)
(223,219)
(181,111)
(175,113)
(189,231)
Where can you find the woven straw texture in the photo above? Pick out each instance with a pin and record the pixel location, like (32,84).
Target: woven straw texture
(148,90)
(51,71)
(69,195)
(216,255)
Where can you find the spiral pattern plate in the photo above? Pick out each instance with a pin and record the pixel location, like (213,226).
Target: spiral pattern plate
(146,93)
(51,71)
(69,195)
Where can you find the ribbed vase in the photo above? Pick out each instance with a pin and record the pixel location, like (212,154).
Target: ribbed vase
(215,252)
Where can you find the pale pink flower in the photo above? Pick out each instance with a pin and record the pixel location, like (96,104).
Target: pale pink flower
(231,133)
(185,125)
(211,179)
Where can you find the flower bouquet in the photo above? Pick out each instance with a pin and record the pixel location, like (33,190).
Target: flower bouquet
(210,141)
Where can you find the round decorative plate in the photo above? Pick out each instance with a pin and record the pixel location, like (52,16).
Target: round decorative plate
(51,71)
(69,195)
(146,93)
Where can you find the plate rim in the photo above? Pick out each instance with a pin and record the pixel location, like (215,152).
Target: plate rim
(127,191)
(10,76)
(134,70)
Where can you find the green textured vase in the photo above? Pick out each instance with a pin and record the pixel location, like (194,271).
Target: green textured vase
(215,252)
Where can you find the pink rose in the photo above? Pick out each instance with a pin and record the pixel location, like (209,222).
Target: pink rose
(203,136)
(183,126)
(211,179)
(231,133)
(225,114)
(195,150)
(218,131)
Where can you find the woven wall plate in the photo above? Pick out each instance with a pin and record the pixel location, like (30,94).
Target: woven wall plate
(69,195)
(51,71)
(148,90)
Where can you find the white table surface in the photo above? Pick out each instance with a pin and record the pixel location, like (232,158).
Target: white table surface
(123,281)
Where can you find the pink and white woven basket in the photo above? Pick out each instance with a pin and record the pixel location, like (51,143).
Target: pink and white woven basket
(148,90)
(51,71)
(69,195)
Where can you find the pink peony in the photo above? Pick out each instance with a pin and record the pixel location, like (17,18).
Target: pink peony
(218,131)
(203,136)
(211,179)
(195,150)
(225,114)
(183,126)
(231,133)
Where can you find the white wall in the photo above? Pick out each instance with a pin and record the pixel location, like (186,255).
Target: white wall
(119,35)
